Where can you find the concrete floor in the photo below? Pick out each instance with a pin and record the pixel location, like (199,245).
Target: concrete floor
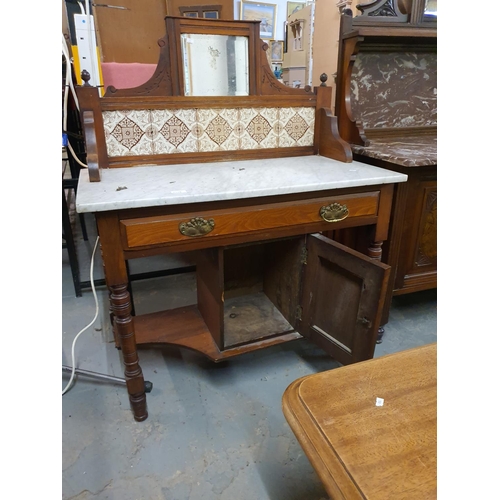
(214,431)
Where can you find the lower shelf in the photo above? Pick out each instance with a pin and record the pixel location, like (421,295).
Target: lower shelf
(185,327)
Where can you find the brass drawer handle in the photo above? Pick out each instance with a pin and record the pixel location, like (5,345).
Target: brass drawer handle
(335,212)
(197,226)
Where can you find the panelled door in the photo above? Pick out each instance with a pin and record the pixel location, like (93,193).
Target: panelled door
(342,299)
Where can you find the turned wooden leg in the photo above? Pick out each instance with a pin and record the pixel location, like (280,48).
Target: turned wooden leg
(375,250)
(112,322)
(375,253)
(124,329)
(380,335)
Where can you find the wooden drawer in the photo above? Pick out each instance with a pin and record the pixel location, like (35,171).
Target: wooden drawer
(166,229)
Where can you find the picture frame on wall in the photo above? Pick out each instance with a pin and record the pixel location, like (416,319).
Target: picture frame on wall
(263,12)
(204,11)
(190,13)
(276,47)
(211,14)
(292,7)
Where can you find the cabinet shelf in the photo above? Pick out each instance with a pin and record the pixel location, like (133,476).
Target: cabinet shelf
(184,327)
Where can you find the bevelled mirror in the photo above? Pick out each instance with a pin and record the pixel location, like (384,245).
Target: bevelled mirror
(215,65)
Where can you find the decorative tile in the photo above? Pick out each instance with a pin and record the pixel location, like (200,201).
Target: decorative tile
(284,114)
(157,119)
(284,139)
(270,119)
(258,128)
(225,124)
(308,115)
(245,140)
(127,133)
(296,127)
(188,116)
(203,119)
(111,118)
(218,130)
(149,132)
(174,131)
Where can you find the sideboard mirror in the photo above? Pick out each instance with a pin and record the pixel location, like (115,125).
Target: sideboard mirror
(215,58)
(215,65)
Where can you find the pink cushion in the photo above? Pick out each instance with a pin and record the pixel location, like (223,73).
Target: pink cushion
(126,75)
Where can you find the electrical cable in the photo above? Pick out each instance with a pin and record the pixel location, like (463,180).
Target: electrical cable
(65,100)
(69,80)
(89,37)
(73,362)
(75,157)
(69,84)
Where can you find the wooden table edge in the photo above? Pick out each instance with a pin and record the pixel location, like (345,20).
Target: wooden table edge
(335,478)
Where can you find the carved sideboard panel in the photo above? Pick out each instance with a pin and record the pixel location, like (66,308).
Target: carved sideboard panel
(427,244)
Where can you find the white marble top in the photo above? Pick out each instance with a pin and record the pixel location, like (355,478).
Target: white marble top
(151,186)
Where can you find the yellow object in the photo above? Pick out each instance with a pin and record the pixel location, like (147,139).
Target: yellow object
(77,67)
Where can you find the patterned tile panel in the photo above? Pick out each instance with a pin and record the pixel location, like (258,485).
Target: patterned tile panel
(150,132)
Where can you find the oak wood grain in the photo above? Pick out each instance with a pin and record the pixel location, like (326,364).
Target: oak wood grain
(91,146)
(331,144)
(361,450)
(146,231)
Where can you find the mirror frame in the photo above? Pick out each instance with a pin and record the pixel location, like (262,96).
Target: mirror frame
(168,77)
(189,26)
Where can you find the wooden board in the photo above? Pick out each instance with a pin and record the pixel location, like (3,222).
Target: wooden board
(184,327)
(131,35)
(250,318)
(361,450)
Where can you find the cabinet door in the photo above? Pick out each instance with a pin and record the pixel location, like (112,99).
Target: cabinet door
(418,257)
(342,299)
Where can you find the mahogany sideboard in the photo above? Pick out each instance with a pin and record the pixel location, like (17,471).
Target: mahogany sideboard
(247,182)
(386,104)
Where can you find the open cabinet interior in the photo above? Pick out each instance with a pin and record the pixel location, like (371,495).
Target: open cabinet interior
(250,292)
(253,295)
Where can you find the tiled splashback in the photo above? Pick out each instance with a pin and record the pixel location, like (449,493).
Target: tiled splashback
(155,131)
(394,89)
